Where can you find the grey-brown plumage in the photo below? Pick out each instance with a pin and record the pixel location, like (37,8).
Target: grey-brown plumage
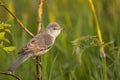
(38,45)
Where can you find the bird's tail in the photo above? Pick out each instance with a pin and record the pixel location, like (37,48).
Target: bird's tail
(18,62)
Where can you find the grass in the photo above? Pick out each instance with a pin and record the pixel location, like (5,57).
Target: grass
(75,55)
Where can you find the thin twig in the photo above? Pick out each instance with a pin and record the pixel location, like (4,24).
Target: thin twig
(38,66)
(4,73)
(40,11)
(17,20)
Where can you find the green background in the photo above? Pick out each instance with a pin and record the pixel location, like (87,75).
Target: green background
(67,59)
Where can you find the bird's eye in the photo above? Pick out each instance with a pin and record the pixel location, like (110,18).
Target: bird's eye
(54,28)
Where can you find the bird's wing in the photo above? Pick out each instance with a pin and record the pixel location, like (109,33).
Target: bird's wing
(45,42)
(39,43)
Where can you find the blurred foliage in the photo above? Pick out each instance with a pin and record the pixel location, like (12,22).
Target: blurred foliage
(75,55)
(4,29)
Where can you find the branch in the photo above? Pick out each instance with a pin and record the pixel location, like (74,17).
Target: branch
(40,11)
(17,20)
(38,63)
(10,75)
(38,68)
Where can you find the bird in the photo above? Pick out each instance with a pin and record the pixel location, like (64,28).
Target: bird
(38,45)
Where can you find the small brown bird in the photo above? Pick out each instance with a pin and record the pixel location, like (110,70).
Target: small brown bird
(38,45)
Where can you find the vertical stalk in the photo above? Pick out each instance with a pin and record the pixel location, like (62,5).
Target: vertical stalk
(38,63)
(102,53)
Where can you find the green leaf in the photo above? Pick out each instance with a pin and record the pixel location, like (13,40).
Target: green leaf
(6,40)
(9,49)
(2,35)
(4,26)
(1,44)
(7,30)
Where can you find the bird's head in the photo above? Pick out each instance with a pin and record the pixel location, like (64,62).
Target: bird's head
(53,29)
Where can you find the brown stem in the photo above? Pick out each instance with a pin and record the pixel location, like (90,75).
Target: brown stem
(4,73)
(40,11)
(17,20)
(38,66)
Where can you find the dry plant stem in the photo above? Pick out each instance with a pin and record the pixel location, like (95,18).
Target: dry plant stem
(40,11)
(38,66)
(102,53)
(10,75)
(17,20)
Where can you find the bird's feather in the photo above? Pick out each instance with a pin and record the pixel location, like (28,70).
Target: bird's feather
(39,43)
(18,62)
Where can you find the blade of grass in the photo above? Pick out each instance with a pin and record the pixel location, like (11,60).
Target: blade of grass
(102,53)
